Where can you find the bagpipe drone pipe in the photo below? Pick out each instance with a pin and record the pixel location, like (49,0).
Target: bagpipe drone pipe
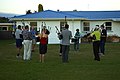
(47,30)
(88,38)
(58,33)
(38,38)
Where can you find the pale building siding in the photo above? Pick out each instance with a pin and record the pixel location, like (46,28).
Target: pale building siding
(116,28)
(73,25)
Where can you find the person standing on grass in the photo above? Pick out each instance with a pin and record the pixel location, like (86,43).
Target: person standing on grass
(18,36)
(66,36)
(60,54)
(27,42)
(103,40)
(96,43)
(60,38)
(43,43)
(77,42)
(33,38)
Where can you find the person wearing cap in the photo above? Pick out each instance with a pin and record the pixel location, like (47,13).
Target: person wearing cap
(96,43)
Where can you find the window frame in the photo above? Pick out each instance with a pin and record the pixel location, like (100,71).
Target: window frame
(108,26)
(86,26)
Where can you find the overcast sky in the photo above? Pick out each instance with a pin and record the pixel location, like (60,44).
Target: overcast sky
(21,6)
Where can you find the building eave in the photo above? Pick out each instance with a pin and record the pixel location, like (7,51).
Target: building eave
(6,24)
(45,19)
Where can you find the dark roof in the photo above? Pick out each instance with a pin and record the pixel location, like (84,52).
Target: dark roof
(90,15)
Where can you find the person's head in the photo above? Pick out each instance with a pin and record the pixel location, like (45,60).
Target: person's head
(27,27)
(19,26)
(44,27)
(77,30)
(102,26)
(32,28)
(66,26)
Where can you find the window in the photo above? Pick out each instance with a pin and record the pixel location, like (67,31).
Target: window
(3,28)
(86,26)
(33,23)
(108,26)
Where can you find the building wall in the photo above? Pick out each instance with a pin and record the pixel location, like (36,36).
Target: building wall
(115,26)
(116,29)
(73,25)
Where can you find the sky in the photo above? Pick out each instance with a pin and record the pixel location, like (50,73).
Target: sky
(21,6)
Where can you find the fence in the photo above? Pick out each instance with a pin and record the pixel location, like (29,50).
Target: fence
(4,35)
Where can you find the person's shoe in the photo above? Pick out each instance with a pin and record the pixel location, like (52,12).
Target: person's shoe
(97,59)
(20,56)
(17,56)
(60,54)
(101,54)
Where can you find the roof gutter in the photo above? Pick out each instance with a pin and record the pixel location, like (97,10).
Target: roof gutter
(46,19)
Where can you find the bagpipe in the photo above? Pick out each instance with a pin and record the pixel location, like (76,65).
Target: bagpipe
(60,36)
(59,33)
(88,37)
(47,30)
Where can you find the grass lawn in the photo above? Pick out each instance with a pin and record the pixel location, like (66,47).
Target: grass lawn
(81,65)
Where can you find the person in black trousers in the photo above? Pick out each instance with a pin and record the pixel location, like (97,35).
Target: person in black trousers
(66,36)
(96,43)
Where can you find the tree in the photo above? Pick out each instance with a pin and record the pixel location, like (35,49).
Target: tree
(75,10)
(40,8)
(28,12)
(4,20)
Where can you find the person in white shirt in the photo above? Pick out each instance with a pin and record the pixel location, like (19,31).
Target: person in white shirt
(18,37)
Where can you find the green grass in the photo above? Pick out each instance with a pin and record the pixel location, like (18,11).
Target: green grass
(81,65)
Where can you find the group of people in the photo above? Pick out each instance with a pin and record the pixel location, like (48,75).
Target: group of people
(99,36)
(28,39)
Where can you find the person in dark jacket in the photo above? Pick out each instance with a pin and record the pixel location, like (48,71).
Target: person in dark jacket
(103,40)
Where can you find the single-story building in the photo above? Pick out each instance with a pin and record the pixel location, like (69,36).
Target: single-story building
(6,31)
(6,26)
(83,20)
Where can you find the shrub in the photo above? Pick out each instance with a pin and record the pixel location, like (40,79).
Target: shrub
(113,38)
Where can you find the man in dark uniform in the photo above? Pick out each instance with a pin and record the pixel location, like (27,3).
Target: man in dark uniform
(103,40)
